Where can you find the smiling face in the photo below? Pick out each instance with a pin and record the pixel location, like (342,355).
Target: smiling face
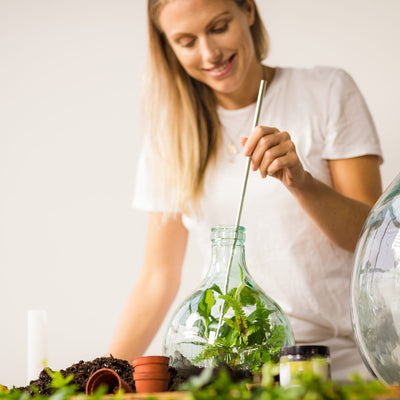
(212,41)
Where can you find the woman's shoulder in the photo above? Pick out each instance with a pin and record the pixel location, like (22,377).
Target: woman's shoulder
(318,78)
(316,73)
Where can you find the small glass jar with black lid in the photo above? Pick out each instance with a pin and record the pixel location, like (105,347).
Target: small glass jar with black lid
(311,359)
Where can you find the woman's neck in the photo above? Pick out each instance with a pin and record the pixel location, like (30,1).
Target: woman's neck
(248,95)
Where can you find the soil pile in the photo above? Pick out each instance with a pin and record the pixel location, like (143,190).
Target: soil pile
(185,370)
(82,371)
(180,372)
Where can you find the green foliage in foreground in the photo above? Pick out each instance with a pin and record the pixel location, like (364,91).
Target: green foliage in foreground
(311,388)
(221,387)
(63,390)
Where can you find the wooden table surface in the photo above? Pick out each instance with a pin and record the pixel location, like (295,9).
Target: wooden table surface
(160,396)
(393,394)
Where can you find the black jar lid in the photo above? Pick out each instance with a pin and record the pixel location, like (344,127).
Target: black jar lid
(306,350)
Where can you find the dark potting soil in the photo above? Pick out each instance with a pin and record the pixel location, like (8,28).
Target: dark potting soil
(180,372)
(185,370)
(82,371)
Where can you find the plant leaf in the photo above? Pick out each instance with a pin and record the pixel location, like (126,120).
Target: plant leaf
(205,305)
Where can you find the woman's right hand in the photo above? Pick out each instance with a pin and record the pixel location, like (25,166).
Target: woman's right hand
(339,211)
(273,153)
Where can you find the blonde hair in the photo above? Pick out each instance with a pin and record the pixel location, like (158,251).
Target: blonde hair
(181,115)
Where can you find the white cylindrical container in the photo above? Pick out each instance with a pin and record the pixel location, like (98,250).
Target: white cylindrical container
(37,343)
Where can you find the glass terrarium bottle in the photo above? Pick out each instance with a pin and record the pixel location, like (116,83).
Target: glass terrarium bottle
(375,288)
(228,320)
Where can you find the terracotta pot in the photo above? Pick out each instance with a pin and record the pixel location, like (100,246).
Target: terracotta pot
(151,382)
(151,364)
(109,378)
(150,360)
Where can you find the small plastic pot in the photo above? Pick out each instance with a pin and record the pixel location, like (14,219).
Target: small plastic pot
(109,378)
(150,364)
(151,382)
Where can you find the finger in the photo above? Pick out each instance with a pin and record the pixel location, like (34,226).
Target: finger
(243,141)
(264,146)
(255,136)
(277,158)
(283,156)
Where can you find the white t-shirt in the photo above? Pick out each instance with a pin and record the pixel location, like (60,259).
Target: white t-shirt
(287,255)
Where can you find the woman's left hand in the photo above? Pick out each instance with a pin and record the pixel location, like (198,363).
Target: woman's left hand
(273,153)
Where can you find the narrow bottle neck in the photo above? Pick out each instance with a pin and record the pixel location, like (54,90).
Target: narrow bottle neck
(226,257)
(224,250)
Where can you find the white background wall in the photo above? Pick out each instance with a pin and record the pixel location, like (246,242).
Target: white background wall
(70,130)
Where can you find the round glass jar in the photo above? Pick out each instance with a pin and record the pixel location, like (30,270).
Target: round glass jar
(296,360)
(228,319)
(375,288)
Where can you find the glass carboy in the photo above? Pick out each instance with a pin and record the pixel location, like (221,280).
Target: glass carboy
(375,288)
(228,320)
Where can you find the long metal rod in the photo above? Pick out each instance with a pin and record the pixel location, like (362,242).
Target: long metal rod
(239,214)
(246,175)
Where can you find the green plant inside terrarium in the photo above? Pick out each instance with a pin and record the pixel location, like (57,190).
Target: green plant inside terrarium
(249,341)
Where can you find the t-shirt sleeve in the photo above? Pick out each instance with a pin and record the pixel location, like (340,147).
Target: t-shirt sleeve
(351,131)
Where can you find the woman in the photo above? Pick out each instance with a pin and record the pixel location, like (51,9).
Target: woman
(302,222)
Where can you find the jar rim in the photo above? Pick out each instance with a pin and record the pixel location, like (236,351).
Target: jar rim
(305,350)
(228,232)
